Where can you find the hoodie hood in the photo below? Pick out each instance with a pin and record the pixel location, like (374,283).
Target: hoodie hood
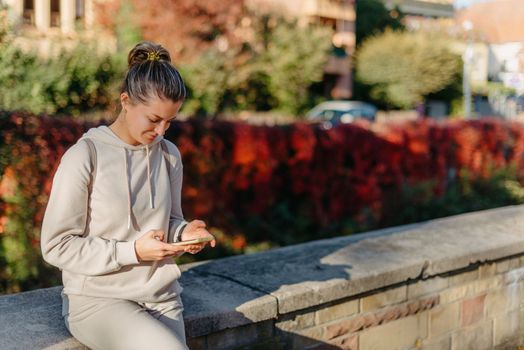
(105,135)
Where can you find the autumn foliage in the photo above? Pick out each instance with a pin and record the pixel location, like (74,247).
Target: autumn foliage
(260,186)
(185,27)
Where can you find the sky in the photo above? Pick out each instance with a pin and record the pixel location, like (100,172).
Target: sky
(465,3)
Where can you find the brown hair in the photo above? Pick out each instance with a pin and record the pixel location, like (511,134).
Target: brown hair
(150,73)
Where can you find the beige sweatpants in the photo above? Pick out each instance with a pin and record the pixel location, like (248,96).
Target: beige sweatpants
(112,324)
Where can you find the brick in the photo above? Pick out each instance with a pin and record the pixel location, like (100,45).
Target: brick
(475,288)
(472,310)
(241,336)
(386,298)
(463,277)
(487,270)
(342,327)
(443,319)
(199,343)
(476,338)
(484,285)
(381,316)
(313,333)
(508,264)
(399,334)
(429,286)
(296,321)
(349,342)
(508,326)
(503,300)
(336,311)
(520,293)
(437,344)
(514,276)
(453,294)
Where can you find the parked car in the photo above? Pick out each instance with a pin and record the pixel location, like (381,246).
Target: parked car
(335,112)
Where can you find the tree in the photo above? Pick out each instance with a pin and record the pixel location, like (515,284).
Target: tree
(73,82)
(4,25)
(403,67)
(373,18)
(188,27)
(294,59)
(272,70)
(232,56)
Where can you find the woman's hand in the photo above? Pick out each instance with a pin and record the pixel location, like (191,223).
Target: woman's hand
(150,247)
(196,229)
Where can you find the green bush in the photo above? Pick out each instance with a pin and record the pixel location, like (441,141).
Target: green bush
(418,202)
(70,83)
(402,67)
(274,70)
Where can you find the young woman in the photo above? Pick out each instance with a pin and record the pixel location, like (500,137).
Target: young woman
(114,212)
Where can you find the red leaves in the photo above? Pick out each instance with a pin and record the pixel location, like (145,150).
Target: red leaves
(302,142)
(8,183)
(244,148)
(234,172)
(187,27)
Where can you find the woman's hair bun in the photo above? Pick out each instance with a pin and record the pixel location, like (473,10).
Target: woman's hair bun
(147,51)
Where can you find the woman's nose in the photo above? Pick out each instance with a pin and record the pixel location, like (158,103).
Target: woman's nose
(161,128)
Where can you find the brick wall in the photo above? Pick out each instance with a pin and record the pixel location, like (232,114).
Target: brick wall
(481,307)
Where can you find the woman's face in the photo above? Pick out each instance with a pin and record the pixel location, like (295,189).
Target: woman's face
(145,121)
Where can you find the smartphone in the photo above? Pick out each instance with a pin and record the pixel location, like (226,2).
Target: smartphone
(195,241)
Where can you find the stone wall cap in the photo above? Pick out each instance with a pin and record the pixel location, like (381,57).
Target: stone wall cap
(235,291)
(317,272)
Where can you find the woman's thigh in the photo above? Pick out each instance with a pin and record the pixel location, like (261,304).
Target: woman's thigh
(169,313)
(102,323)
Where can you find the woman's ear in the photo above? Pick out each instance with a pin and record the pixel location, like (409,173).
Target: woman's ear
(124,100)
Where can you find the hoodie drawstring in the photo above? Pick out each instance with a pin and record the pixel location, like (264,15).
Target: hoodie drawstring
(151,204)
(126,171)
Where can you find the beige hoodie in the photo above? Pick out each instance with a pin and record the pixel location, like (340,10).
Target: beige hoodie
(93,244)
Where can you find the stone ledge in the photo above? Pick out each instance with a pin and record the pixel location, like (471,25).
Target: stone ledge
(317,272)
(236,291)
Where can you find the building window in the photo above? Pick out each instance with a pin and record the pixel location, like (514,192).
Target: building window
(80,13)
(80,9)
(55,13)
(29,12)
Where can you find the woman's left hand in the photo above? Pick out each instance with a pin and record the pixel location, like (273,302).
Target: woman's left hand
(196,229)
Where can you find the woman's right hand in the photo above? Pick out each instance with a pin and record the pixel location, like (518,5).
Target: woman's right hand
(151,247)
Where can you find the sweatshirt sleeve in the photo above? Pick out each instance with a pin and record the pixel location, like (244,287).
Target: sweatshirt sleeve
(63,240)
(176,218)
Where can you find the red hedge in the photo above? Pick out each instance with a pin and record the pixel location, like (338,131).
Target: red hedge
(234,172)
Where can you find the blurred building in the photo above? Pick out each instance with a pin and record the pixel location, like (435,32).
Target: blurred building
(424,14)
(499,26)
(47,25)
(340,16)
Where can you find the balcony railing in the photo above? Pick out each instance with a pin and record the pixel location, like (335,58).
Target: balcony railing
(330,9)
